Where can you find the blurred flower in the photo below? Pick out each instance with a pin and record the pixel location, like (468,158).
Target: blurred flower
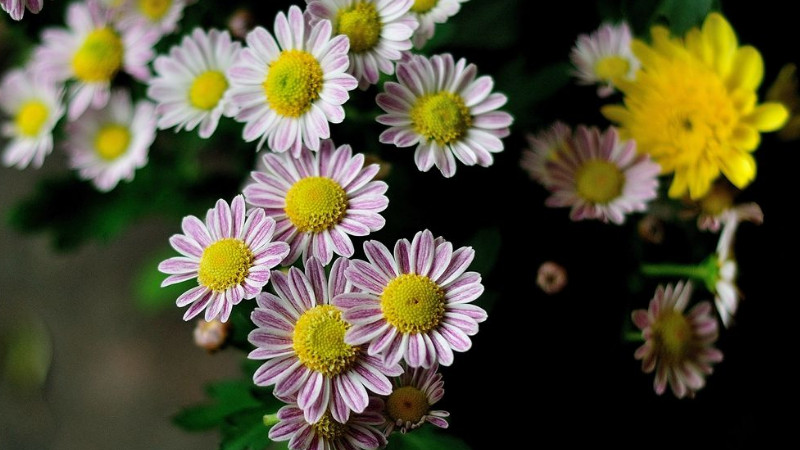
(241,22)
(409,405)
(319,200)
(785,90)
(16,8)
(429,13)
(440,107)
(601,177)
(693,106)
(289,93)
(551,277)
(108,145)
(230,255)
(358,432)
(416,305)
(190,83)
(543,147)
(379,32)
(91,53)
(605,58)
(34,107)
(651,229)
(211,335)
(301,335)
(159,16)
(718,200)
(680,348)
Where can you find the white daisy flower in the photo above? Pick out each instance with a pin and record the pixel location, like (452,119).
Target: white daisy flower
(190,83)
(16,8)
(161,16)
(109,144)
(34,107)
(605,57)
(429,13)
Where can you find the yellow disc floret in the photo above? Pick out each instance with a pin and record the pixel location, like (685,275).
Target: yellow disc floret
(612,68)
(207,89)
(315,204)
(599,181)
(99,57)
(423,6)
(225,264)
(442,117)
(361,24)
(319,343)
(413,303)
(673,340)
(31,117)
(407,404)
(154,10)
(111,141)
(329,429)
(693,108)
(293,83)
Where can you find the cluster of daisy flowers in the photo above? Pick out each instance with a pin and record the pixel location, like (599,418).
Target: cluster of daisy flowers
(690,117)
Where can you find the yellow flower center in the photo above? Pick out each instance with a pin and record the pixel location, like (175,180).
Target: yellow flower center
(154,9)
(362,24)
(599,181)
(224,264)
(315,204)
(407,404)
(99,57)
(442,117)
(329,429)
(293,83)
(31,117)
(672,337)
(319,341)
(612,67)
(423,6)
(112,141)
(413,303)
(207,89)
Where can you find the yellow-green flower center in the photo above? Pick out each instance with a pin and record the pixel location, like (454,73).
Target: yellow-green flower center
(442,117)
(30,118)
(362,24)
(599,181)
(224,264)
(407,404)
(413,303)
(154,9)
(672,337)
(207,89)
(319,343)
(315,204)
(293,83)
(612,67)
(423,6)
(112,141)
(329,429)
(99,57)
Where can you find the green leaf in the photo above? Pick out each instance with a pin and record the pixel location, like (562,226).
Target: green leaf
(682,15)
(486,243)
(150,297)
(469,27)
(524,89)
(245,431)
(425,438)
(231,397)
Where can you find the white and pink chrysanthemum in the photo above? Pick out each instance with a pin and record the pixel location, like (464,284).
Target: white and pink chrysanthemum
(429,13)
(288,90)
(34,107)
(16,8)
(319,200)
(158,16)
(91,53)
(230,255)
(439,106)
(191,82)
(601,177)
(379,32)
(544,147)
(409,405)
(107,145)
(678,347)
(301,335)
(416,305)
(359,432)
(605,57)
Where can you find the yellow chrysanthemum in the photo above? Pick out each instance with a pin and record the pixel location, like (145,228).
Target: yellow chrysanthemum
(693,108)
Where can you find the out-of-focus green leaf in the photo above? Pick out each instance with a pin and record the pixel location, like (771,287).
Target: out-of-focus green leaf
(486,243)
(524,90)
(682,15)
(148,293)
(425,438)
(245,431)
(475,27)
(229,397)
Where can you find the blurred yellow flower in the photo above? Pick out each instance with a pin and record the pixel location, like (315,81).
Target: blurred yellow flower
(785,90)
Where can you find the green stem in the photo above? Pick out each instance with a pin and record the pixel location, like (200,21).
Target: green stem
(633,336)
(270,419)
(697,272)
